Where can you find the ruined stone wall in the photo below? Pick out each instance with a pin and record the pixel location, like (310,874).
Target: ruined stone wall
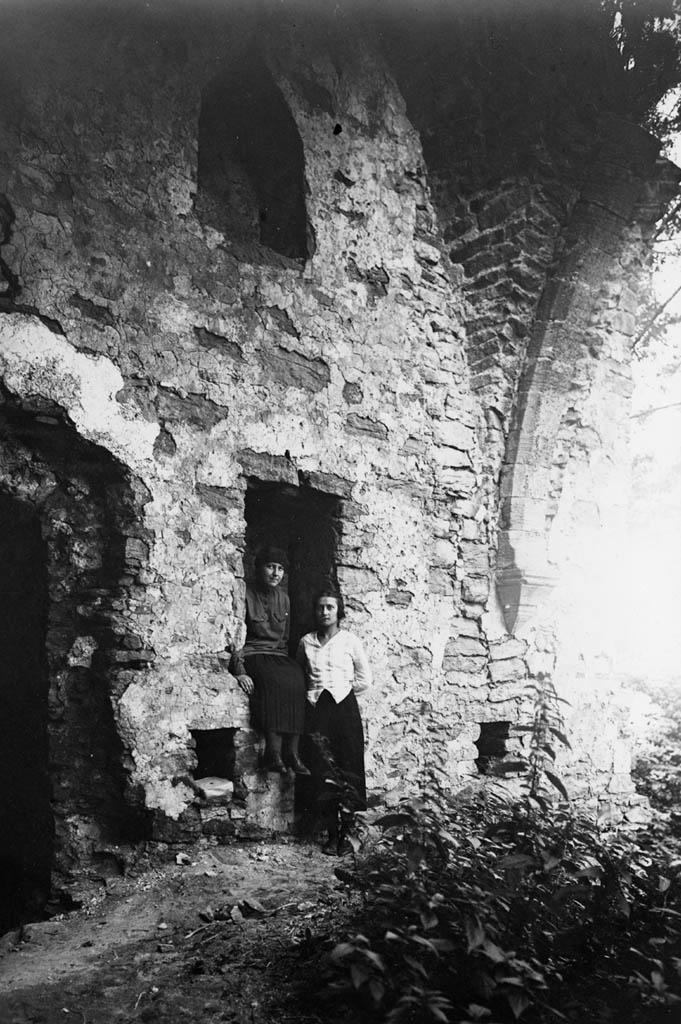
(200,363)
(320,363)
(546,206)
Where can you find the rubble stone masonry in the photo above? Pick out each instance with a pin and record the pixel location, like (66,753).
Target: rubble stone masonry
(419,380)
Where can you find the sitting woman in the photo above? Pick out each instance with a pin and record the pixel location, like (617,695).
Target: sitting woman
(336,668)
(274,682)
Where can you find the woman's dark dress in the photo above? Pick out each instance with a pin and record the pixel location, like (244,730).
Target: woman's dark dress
(335,670)
(278,698)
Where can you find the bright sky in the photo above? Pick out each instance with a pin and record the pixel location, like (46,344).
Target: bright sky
(651,635)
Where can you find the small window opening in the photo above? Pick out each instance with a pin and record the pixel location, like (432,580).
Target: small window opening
(307,524)
(251,174)
(215,753)
(492,746)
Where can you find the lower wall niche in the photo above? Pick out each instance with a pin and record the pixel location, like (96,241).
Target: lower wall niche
(492,746)
(215,753)
(214,779)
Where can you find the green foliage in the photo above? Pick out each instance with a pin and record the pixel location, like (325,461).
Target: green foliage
(657,767)
(480,911)
(498,909)
(536,765)
(646,34)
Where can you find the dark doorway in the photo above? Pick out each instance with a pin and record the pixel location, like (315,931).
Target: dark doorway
(307,524)
(27,825)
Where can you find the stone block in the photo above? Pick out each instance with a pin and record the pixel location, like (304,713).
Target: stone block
(475,590)
(366,426)
(357,582)
(507,670)
(457,482)
(467,646)
(475,558)
(625,323)
(445,554)
(511,648)
(640,815)
(267,467)
(221,828)
(454,434)
(452,458)
(462,663)
(468,681)
(292,369)
(470,530)
(466,627)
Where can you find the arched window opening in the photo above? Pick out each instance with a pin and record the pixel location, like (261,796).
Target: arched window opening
(251,174)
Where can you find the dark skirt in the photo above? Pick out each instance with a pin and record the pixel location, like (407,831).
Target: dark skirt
(278,699)
(334,753)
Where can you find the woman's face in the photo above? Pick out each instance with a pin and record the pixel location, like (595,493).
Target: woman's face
(327,611)
(271,574)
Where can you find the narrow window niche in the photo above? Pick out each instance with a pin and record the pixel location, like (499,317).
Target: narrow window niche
(251,174)
(215,761)
(306,523)
(492,747)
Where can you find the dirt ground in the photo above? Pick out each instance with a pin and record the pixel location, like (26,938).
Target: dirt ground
(228,935)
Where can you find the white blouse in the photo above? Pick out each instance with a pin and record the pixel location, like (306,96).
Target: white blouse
(339,666)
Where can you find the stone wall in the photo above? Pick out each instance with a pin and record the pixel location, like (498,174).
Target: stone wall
(547,208)
(209,361)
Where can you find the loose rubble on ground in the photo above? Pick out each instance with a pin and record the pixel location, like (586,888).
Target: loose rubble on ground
(214,935)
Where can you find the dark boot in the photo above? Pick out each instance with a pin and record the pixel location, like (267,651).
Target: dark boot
(290,756)
(272,761)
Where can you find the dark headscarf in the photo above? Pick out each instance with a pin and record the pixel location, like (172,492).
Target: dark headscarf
(271,554)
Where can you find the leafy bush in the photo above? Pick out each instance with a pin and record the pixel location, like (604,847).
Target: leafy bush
(657,766)
(485,912)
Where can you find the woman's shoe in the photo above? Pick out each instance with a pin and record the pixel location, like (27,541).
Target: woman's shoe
(274,763)
(298,767)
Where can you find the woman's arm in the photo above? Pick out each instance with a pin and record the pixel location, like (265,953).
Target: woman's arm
(236,664)
(237,669)
(363,678)
(287,625)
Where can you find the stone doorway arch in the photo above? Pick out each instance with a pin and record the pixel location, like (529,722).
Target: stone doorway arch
(70,513)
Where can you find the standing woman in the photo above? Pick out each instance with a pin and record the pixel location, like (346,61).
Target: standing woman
(336,668)
(274,681)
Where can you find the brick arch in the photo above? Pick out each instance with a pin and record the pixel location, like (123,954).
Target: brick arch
(581,335)
(77,511)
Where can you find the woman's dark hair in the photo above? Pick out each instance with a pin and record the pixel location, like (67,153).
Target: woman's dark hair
(335,594)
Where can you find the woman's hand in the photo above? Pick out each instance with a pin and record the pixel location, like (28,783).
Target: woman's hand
(246,683)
